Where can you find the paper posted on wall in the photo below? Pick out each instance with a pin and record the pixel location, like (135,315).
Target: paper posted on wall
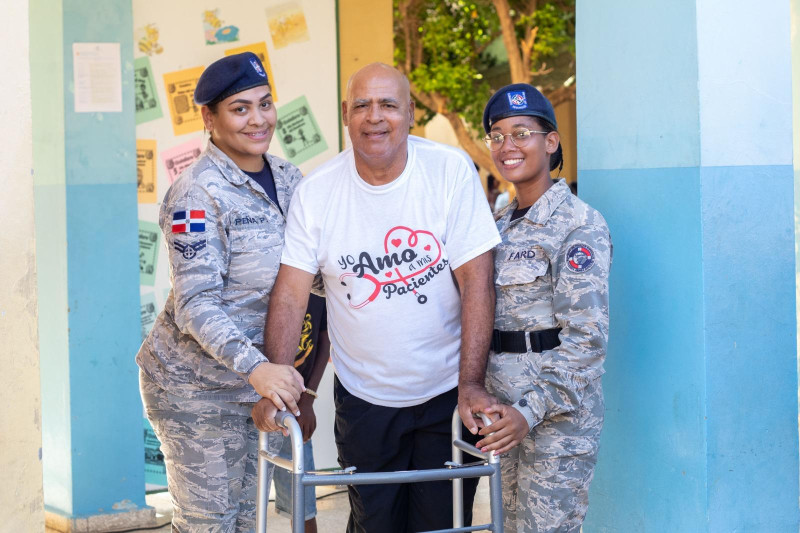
(298,132)
(146,170)
(97,77)
(287,24)
(179,158)
(145,93)
(149,235)
(180,95)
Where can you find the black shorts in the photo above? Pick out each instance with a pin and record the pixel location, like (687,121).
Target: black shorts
(374,438)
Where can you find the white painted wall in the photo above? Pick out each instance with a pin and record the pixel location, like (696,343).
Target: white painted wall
(20,418)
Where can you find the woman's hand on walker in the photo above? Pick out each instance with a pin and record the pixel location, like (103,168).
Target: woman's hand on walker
(263,414)
(506,432)
(280,383)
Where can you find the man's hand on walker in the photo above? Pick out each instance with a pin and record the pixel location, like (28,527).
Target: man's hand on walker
(280,383)
(263,414)
(472,400)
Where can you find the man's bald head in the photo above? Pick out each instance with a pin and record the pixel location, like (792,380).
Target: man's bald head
(379,69)
(378,114)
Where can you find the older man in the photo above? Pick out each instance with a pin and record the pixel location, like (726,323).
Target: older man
(400,229)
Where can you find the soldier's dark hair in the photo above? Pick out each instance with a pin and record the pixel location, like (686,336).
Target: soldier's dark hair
(557,157)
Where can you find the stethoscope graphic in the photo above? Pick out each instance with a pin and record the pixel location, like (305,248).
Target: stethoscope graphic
(377,284)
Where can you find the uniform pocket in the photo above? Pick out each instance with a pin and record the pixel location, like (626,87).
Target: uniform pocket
(519,272)
(510,375)
(255,259)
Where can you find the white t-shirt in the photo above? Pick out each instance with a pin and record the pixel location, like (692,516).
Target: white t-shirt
(386,254)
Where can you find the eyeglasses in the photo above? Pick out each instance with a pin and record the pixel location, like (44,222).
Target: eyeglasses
(494,141)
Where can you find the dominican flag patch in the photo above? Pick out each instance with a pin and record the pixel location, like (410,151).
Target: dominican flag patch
(188,221)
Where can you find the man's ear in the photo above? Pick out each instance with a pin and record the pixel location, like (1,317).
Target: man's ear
(344,112)
(411,109)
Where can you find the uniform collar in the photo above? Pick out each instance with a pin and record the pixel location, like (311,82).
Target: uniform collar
(541,211)
(237,177)
(229,169)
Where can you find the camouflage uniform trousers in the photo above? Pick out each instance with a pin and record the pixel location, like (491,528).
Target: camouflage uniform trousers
(210,452)
(546,477)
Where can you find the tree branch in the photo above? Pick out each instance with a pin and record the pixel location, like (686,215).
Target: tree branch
(561,95)
(474,148)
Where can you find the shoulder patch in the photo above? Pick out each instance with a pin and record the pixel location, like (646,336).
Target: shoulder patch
(189,221)
(580,258)
(189,250)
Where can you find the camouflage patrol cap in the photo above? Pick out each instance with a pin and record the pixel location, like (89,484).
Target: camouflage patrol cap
(515,100)
(228,76)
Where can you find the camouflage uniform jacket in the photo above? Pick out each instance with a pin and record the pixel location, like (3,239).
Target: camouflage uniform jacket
(551,270)
(209,336)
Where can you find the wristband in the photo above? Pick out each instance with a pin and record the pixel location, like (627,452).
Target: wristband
(311,392)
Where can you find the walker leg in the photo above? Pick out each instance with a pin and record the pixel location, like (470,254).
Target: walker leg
(496,496)
(262,494)
(458,484)
(298,504)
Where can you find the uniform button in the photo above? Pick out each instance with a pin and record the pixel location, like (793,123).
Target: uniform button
(523,402)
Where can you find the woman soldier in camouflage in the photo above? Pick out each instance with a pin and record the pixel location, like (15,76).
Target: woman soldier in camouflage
(202,366)
(551,281)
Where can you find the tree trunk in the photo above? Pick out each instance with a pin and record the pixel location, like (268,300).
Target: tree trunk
(520,73)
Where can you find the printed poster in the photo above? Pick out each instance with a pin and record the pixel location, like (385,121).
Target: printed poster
(146,95)
(97,75)
(260,50)
(180,96)
(179,158)
(147,40)
(287,24)
(298,132)
(155,472)
(149,234)
(149,312)
(146,170)
(215,29)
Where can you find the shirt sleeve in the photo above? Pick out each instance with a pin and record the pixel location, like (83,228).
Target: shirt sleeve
(302,238)
(199,254)
(470,229)
(580,305)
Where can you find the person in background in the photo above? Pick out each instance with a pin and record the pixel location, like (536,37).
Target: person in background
(202,367)
(311,360)
(551,320)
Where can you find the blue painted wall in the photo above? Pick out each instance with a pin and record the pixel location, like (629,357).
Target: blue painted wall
(750,324)
(651,468)
(103,276)
(685,146)
(92,411)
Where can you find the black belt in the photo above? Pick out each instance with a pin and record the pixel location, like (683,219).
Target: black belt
(514,341)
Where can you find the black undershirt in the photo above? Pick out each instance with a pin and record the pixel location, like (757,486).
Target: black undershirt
(265,178)
(519,213)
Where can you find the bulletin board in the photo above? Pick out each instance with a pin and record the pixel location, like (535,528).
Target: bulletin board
(173,42)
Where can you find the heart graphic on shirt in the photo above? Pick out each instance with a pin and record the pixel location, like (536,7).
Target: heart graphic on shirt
(420,243)
(408,254)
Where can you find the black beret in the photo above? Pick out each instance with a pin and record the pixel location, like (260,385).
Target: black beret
(515,100)
(228,76)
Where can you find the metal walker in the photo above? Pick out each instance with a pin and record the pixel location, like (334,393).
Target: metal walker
(455,470)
